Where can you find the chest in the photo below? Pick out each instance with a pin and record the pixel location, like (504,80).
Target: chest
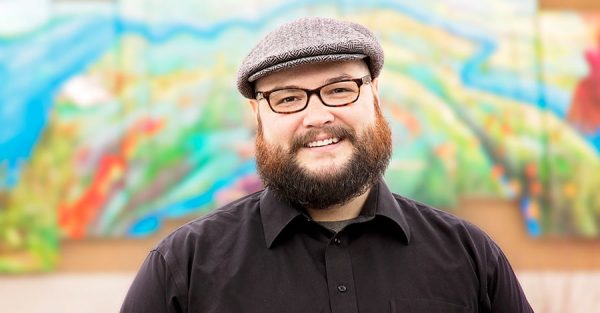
(337,275)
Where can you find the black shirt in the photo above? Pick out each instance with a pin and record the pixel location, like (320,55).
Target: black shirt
(259,254)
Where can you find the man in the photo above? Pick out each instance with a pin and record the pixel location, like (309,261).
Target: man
(326,235)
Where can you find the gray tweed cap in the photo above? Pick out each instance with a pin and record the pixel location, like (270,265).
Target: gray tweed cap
(309,40)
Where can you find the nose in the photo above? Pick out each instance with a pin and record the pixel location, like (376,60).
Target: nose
(316,113)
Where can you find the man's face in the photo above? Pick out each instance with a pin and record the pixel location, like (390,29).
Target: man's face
(322,156)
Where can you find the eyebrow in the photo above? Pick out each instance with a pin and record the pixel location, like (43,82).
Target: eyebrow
(338,78)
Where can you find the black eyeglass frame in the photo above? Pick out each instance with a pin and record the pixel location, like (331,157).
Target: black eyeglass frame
(365,80)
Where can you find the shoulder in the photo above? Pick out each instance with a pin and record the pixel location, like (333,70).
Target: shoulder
(215,228)
(429,222)
(417,212)
(194,250)
(440,235)
(447,234)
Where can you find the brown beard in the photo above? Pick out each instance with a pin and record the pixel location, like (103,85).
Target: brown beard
(281,172)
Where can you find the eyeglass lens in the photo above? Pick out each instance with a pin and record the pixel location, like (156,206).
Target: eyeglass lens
(335,94)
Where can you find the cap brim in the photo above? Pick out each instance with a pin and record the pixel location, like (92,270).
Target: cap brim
(306,60)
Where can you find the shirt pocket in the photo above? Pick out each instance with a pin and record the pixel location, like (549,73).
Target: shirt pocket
(426,305)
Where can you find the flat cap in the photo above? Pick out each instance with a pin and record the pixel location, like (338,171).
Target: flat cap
(309,40)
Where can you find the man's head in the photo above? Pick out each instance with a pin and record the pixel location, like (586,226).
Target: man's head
(322,139)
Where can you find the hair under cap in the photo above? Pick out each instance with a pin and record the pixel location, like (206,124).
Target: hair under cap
(309,40)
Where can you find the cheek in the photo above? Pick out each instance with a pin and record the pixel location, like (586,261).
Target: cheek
(272,135)
(278,130)
(362,117)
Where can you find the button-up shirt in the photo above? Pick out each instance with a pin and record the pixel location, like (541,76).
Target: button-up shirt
(261,254)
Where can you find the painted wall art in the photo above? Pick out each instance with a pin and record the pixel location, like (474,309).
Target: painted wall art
(117,116)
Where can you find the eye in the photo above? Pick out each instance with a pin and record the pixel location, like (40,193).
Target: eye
(287,100)
(340,90)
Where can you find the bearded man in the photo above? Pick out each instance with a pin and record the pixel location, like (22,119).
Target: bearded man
(326,234)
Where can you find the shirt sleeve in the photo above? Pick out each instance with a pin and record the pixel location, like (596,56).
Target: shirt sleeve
(153,289)
(503,289)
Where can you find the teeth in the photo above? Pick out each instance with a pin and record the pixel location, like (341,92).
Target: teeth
(324,142)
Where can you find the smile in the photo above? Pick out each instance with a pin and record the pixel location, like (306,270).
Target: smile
(322,143)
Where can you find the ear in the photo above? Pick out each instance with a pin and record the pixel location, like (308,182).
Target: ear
(375,88)
(375,85)
(254,106)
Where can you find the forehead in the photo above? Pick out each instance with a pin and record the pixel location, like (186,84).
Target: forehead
(312,75)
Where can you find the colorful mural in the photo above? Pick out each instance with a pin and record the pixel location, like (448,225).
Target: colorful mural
(570,58)
(118,115)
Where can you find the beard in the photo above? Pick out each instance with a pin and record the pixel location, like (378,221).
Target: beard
(281,171)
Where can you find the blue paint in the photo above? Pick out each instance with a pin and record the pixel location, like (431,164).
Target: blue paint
(187,206)
(71,45)
(29,87)
(524,204)
(145,226)
(63,51)
(33,68)
(594,138)
(533,227)
(150,223)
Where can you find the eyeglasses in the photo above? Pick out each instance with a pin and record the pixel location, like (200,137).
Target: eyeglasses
(292,100)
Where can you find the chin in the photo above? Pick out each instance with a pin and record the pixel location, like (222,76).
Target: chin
(321,168)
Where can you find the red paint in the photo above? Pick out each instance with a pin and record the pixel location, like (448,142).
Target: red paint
(584,112)
(75,217)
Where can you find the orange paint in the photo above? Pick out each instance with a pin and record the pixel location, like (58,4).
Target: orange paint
(497,171)
(119,82)
(534,211)
(535,188)
(570,190)
(75,217)
(515,186)
(145,127)
(128,144)
(406,119)
(82,154)
(150,126)
(185,101)
(531,170)
(506,129)
(445,150)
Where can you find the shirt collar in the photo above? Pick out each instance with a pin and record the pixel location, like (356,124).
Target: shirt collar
(277,214)
(381,202)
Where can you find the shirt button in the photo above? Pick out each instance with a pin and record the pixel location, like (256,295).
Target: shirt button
(342,288)
(337,241)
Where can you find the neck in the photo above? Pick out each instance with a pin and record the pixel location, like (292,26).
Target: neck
(346,211)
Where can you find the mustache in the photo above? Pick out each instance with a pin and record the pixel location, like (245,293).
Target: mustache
(338,131)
